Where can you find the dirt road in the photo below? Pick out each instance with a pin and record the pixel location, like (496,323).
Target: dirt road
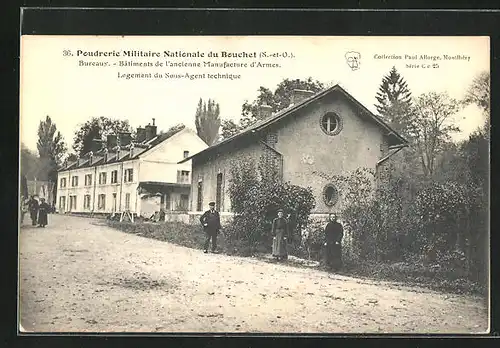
(80,276)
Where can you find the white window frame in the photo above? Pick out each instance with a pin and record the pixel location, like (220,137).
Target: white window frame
(88,179)
(101,201)
(86,202)
(114,175)
(103,178)
(128,175)
(328,128)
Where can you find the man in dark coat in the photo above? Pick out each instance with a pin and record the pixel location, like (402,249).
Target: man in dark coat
(33,209)
(210,221)
(43,210)
(334,232)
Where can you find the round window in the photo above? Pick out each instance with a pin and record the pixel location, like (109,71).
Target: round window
(330,195)
(331,123)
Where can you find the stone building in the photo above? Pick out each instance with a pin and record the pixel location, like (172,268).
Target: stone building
(316,137)
(141,176)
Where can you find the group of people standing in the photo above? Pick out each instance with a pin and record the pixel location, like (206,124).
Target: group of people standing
(38,211)
(282,236)
(333,233)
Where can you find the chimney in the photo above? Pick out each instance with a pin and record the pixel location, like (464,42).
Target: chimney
(111,141)
(265,111)
(105,154)
(117,152)
(150,131)
(91,155)
(141,135)
(300,95)
(124,138)
(96,145)
(131,150)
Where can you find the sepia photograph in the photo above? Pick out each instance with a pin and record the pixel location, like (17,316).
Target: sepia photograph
(254,184)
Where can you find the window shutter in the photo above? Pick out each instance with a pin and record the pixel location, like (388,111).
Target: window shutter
(178,176)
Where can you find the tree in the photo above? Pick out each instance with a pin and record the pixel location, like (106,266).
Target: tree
(50,144)
(97,128)
(278,100)
(394,100)
(72,158)
(171,131)
(479,92)
(207,120)
(24,186)
(29,163)
(430,126)
(51,149)
(228,129)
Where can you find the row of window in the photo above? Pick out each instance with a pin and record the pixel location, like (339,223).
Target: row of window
(101,202)
(128,176)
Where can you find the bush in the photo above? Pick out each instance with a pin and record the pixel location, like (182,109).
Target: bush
(443,224)
(256,195)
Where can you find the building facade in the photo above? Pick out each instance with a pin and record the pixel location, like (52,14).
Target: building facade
(318,136)
(141,176)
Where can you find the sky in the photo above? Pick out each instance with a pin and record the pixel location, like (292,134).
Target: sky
(57,85)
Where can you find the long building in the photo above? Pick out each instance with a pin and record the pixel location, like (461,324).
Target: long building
(141,176)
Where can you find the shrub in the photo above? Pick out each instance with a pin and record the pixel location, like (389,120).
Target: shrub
(256,195)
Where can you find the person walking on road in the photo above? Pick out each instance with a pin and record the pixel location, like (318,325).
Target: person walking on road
(280,235)
(33,208)
(210,221)
(334,232)
(43,211)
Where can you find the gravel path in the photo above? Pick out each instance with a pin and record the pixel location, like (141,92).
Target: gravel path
(77,275)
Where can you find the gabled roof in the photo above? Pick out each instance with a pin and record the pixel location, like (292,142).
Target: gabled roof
(262,124)
(139,149)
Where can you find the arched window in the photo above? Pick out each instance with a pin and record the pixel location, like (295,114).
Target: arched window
(331,123)
(330,195)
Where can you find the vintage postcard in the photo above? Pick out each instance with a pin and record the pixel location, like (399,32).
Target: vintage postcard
(254,184)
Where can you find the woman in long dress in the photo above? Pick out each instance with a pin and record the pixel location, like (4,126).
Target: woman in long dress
(334,232)
(43,211)
(280,235)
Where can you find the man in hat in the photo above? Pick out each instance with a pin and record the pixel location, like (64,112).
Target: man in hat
(334,232)
(210,221)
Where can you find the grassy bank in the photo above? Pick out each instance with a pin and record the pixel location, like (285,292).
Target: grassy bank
(414,273)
